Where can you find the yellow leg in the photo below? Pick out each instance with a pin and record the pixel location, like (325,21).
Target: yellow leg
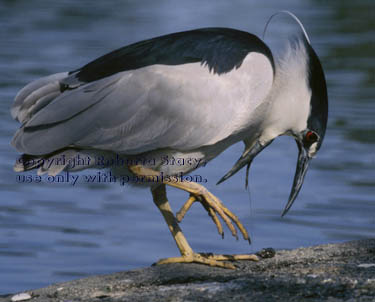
(159,195)
(187,255)
(210,202)
(212,205)
(181,213)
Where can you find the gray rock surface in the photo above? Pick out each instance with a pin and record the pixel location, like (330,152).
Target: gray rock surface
(332,272)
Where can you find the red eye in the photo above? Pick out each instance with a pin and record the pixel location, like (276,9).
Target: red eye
(311,137)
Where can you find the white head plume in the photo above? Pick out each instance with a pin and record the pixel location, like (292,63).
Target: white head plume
(293,16)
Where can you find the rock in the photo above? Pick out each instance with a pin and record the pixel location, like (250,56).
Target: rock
(21,297)
(366,265)
(331,272)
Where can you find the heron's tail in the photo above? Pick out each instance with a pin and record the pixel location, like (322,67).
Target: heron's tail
(55,162)
(49,163)
(27,162)
(36,95)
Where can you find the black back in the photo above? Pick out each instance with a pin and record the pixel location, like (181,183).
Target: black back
(222,49)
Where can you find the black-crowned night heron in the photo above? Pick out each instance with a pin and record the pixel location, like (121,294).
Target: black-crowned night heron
(187,95)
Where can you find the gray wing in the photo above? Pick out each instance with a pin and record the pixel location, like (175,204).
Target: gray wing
(182,106)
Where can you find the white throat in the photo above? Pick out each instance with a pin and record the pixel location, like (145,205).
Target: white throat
(289,100)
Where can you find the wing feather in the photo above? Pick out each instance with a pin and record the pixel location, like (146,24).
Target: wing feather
(29,95)
(181,104)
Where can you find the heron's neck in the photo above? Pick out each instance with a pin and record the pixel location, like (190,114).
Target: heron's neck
(289,100)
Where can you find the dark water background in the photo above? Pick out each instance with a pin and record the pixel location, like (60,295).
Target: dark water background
(57,232)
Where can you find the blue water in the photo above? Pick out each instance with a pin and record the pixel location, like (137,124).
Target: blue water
(51,232)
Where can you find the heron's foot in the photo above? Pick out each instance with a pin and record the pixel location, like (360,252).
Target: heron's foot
(215,208)
(209,259)
(210,202)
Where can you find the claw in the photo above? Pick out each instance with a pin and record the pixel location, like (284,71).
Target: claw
(181,213)
(215,208)
(215,219)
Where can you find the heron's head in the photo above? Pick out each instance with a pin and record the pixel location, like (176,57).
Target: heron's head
(299,108)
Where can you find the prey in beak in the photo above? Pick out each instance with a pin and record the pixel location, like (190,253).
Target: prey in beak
(246,159)
(297,110)
(306,144)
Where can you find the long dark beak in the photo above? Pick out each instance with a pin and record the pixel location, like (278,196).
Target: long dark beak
(245,159)
(301,169)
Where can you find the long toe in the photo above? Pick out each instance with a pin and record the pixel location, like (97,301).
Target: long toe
(223,261)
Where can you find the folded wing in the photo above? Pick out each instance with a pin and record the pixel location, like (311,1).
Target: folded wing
(155,101)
